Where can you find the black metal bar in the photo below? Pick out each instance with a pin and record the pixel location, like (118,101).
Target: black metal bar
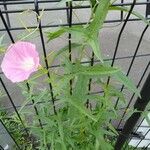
(133,134)
(69,20)
(121,14)
(90,81)
(30,104)
(12,103)
(120,34)
(109,59)
(66,24)
(147,8)
(10,134)
(130,101)
(1,148)
(12,40)
(69,23)
(54,1)
(65,8)
(6,27)
(44,51)
(133,59)
(7,15)
(140,106)
(35,108)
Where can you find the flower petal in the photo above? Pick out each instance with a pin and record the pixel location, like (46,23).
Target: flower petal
(20,60)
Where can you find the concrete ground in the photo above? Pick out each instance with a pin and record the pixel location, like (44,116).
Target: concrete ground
(108,38)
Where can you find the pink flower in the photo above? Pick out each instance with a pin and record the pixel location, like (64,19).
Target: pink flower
(21,59)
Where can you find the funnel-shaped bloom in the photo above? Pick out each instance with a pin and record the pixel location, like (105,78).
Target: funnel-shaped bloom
(20,60)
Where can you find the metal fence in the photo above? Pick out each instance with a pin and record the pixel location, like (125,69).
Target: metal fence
(128,130)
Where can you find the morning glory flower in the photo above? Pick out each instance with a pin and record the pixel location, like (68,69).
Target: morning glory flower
(20,60)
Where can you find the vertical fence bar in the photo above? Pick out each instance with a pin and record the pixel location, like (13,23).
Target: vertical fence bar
(133,59)
(119,37)
(12,40)
(121,14)
(45,54)
(120,34)
(6,26)
(130,101)
(1,148)
(140,106)
(35,108)
(147,9)
(7,16)
(10,134)
(90,81)
(13,104)
(69,20)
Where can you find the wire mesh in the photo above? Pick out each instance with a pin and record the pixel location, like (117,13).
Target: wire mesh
(68,9)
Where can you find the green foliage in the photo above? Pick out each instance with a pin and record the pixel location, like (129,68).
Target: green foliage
(127,82)
(135,13)
(99,16)
(55,34)
(2,46)
(93,3)
(14,125)
(88,35)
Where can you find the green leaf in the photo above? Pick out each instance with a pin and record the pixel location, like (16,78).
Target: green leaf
(97,98)
(42,71)
(82,109)
(96,70)
(79,32)
(2,47)
(93,3)
(135,13)
(112,91)
(94,43)
(68,65)
(61,132)
(1,39)
(55,34)
(81,88)
(111,127)
(61,84)
(95,25)
(100,143)
(37,131)
(100,15)
(86,36)
(54,55)
(127,82)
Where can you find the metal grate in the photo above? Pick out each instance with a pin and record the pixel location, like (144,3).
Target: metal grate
(69,8)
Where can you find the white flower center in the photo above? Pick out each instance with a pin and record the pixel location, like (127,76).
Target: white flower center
(28,63)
